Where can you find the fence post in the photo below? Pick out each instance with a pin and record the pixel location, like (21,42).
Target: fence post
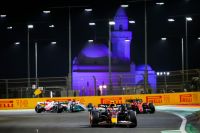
(6,81)
(67,86)
(95,87)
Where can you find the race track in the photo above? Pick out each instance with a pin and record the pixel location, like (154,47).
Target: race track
(30,122)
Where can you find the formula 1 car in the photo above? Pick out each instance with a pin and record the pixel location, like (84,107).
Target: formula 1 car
(141,107)
(110,115)
(75,107)
(56,107)
(59,107)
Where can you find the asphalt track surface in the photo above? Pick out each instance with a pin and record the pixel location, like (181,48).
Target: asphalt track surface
(31,122)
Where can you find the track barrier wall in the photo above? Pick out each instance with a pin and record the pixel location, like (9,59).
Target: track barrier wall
(157,99)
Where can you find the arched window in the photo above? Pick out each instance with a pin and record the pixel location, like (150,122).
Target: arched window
(120,27)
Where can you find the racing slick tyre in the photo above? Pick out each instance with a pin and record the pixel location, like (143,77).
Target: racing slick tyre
(152,108)
(38,109)
(58,108)
(133,119)
(94,118)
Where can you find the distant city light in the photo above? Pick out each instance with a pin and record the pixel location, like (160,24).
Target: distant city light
(92,23)
(163,73)
(51,26)
(53,43)
(9,27)
(88,10)
(90,41)
(111,23)
(188,19)
(171,20)
(160,3)
(17,43)
(30,26)
(3,16)
(124,6)
(163,38)
(46,12)
(168,73)
(104,86)
(132,22)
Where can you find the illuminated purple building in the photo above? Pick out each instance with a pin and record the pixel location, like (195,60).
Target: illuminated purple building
(90,68)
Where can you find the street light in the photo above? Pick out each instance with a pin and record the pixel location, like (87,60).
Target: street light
(90,41)
(124,6)
(160,3)
(9,28)
(69,22)
(131,21)
(165,74)
(109,56)
(182,55)
(53,43)
(16,43)
(187,19)
(36,73)
(51,26)
(30,26)
(2,15)
(171,20)
(163,38)
(46,12)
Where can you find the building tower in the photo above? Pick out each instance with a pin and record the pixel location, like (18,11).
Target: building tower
(121,37)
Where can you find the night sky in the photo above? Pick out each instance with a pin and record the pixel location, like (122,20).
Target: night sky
(53,59)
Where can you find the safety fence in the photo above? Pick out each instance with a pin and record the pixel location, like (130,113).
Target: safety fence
(165,82)
(157,99)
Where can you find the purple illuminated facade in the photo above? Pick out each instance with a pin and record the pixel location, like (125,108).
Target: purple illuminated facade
(90,68)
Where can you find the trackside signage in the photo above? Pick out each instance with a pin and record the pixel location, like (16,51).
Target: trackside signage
(186,98)
(154,99)
(157,99)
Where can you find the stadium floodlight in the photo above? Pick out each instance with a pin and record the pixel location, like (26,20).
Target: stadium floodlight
(46,12)
(160,3)
(124,6)
(163,38)
(88,10)
(171,20)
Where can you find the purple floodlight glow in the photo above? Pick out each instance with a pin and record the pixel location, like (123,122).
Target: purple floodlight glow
(121,20)
(93,50)
(90,68)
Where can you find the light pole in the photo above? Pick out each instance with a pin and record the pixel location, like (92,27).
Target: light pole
(36,72)
(182,56)
(69,36)
(187,19)
(28,54)
(69,26)
(109,56)
(145,34)
(165,74)
(145,71)
(182,51)
(70,69)
(110,23)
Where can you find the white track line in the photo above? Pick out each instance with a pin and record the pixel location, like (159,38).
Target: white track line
(183,124)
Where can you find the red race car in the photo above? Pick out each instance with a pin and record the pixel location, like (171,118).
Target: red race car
(141,107)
